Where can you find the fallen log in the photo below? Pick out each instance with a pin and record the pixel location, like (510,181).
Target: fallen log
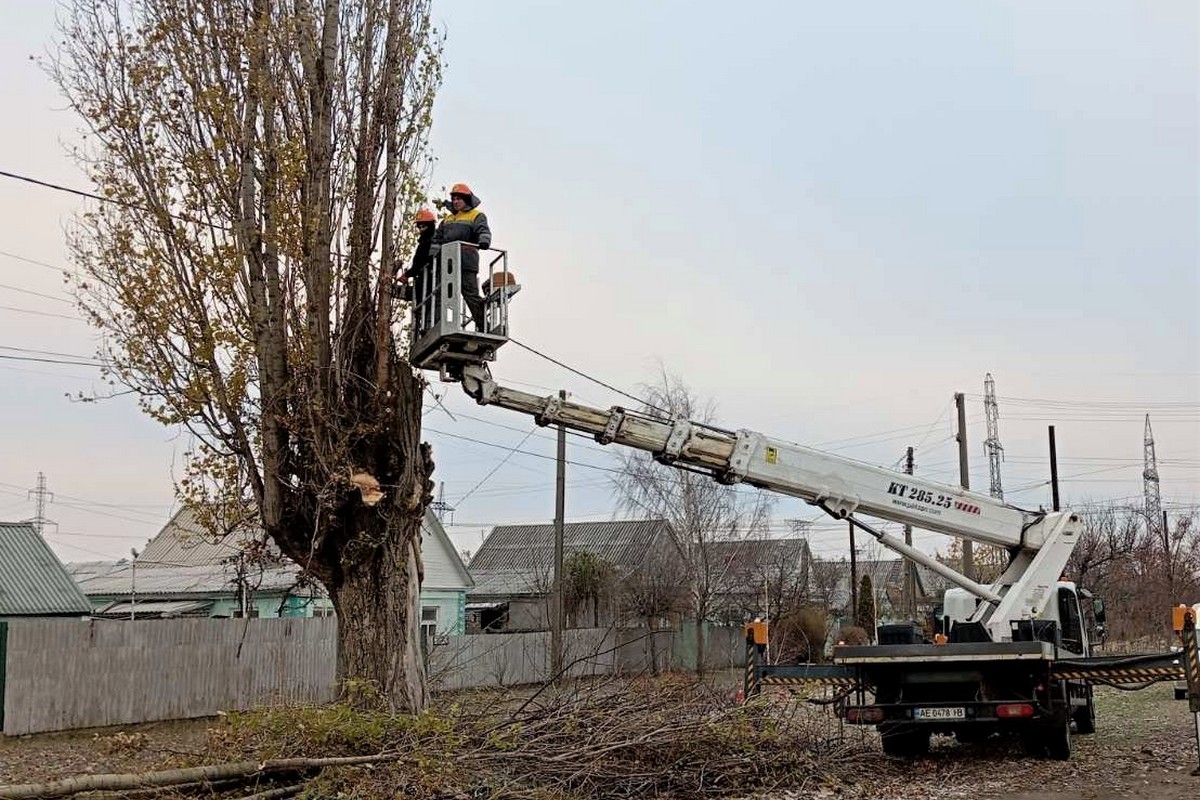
(275,794)
(177,777)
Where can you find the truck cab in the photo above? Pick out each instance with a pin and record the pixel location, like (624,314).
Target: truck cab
(1072,620)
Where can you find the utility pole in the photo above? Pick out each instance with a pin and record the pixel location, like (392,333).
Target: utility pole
(964,478)
(41,496)
(133,584)
(1053,472)
(853,577)
(910,569)
(560,505)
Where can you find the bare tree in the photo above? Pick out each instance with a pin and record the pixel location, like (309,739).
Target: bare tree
(825,578)
(259,157)
(1109,536)
(700,510)
(656,589)
(763,577)
(1140,570)
(589,581)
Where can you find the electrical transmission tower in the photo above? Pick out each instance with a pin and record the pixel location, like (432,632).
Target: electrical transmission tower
(995,451)
(440,506)
(1150,483)
(41,495)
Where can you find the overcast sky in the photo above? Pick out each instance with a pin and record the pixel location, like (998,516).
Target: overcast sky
(825,217)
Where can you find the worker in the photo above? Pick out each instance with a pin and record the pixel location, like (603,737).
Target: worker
(425,222)
(466,223)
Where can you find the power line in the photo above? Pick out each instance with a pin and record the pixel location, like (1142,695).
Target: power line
(55,298)
(130,507)
(46,353)
(514,429)
(42,360)
(527,452)
(110,200)
(585,376)
(496,468)
(39,313)
(1102,404)
(33,261)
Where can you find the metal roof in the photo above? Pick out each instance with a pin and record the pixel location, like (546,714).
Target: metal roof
(33,582)
(490,583)
(154,608)
(887,576)
(184,542)
(177,582)
(749,557)
(625,543)
(517,559)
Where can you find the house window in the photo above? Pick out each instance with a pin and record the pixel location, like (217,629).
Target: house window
(429,621)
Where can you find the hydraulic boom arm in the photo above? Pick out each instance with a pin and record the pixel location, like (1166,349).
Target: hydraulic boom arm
(1039,544)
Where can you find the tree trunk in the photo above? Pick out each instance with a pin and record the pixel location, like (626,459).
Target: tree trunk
(652,627)
(379,628)
(699,644)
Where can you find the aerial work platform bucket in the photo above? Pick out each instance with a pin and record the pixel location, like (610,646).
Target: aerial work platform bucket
(441,339)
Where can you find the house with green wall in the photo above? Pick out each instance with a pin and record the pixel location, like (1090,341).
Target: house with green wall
(186,571)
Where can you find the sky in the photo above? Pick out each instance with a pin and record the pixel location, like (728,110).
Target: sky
(825,218)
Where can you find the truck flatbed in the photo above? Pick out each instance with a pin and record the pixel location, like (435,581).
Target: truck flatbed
(966,651)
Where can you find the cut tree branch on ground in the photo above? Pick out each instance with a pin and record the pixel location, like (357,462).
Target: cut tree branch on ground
(273,794)
(181,777)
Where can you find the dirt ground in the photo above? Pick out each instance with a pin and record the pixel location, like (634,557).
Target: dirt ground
(1144,748)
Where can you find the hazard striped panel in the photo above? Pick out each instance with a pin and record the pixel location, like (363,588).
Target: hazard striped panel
(1119,674)
(826,680)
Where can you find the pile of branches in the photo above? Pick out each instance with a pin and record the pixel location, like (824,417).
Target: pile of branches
(667,737)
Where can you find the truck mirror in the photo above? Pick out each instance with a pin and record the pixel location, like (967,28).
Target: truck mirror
(1098,608)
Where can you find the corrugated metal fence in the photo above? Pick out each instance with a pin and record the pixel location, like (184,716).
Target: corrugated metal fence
(67,674)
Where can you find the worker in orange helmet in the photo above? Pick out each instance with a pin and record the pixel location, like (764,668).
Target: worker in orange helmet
(425,222)
(466,223)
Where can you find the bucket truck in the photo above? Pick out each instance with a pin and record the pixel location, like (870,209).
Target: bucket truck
(1018,654)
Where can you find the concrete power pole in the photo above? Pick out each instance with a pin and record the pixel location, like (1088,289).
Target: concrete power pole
(560,505)
(41,495)
(964,477)
(910,569)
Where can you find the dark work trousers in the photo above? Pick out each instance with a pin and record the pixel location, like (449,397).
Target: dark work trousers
(474,300)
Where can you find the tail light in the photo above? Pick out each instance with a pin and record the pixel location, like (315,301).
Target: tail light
(1014,710)
(864,715)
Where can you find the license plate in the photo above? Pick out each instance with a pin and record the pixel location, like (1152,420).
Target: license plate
(955,712)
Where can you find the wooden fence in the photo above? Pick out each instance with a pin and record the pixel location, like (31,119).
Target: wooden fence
(69,674)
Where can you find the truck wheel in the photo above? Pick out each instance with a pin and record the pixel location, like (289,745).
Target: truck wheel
(1085,716)
(1058,740)
(1033,743)
(905,742)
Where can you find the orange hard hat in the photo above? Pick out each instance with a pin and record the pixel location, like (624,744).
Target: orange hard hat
(425,215)
(461,188)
